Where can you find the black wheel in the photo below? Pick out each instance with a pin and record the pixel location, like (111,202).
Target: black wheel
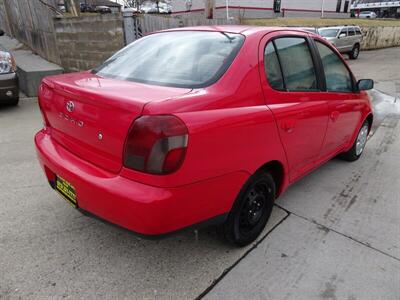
(13,102)
(251,210)
(355,52)
(359,144)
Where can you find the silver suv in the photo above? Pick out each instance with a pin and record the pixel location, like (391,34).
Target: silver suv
(347,39)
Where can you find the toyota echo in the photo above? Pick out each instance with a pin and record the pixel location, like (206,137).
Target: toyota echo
(204,125)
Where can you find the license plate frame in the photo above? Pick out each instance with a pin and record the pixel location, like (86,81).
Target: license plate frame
(66,190)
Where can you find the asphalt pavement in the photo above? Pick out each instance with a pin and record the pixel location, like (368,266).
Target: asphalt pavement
(333,235)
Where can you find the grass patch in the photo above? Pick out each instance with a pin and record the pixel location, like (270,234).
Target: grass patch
(313,22)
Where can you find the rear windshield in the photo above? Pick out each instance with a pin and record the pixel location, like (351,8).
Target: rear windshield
(189,59)
(328,32)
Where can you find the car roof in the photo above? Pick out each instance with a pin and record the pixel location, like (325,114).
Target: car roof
(242,29)
(339,27)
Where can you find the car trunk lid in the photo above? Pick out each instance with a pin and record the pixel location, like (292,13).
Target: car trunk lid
(90,115)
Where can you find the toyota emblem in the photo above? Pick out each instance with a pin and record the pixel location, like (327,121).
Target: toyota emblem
(70,106)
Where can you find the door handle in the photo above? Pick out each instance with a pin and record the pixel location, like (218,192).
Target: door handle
(288,125)
(334,115)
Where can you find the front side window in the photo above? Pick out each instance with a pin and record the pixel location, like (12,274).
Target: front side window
(189,59)
(338,77)
(297,64)
(343,31)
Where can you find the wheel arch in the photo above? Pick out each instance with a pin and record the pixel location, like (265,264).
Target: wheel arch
(277,170)
(370,119)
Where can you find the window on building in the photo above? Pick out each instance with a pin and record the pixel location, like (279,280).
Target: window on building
(338,5)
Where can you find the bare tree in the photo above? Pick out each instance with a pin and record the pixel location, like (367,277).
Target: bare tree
(209,6)
(51,7)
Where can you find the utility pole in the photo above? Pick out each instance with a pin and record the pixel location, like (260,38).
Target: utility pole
(322,8)
(72,7)
(227,9)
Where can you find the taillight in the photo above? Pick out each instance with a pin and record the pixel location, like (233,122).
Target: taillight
(156,144)
(45,95)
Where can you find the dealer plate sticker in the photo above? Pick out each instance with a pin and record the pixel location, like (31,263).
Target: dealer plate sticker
(66,190)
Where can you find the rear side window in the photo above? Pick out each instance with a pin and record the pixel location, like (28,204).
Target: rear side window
(358,31)
(351,31)
(338,77)
(272,68)
(296,63)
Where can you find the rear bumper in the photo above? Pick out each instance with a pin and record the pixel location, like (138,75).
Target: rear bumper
(8,87)
(145,209)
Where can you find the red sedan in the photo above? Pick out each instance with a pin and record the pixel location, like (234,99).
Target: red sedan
(200,125)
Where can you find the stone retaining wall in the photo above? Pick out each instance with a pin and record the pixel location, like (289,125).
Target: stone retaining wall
(380,37)
(85,42)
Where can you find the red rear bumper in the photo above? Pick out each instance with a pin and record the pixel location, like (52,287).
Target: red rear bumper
(142,208)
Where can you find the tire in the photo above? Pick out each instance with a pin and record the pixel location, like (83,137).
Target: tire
(359,144)
(251,210)
(355,52)
(13,102)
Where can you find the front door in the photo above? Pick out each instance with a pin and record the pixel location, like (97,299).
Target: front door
(292,92)
(343,103)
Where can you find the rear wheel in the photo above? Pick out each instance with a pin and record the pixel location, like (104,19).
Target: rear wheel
(355,52)
(359,144)
(251,210)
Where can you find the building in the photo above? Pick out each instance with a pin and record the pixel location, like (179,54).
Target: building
(383,8)
(265,8)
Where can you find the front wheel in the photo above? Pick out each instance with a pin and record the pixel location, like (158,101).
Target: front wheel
(355,52)
(359,144)
(251,210)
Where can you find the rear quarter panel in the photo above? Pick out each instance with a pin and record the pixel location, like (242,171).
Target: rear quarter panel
(230,127)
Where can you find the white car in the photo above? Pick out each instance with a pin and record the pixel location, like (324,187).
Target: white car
(367,15)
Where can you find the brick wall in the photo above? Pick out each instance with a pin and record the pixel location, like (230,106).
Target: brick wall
(85,42)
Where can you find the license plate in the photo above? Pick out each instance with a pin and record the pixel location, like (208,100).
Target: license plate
(66,190)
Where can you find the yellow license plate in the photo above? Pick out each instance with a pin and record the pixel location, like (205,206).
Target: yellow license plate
(66,190)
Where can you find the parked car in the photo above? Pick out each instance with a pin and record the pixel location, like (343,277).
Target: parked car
(9,91)
(347,39)
(87,8)
(103,9)
(309,29)
(149,8)
(210,125)
(367,15)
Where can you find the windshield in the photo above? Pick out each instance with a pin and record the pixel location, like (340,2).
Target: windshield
(189,59)
(328,32)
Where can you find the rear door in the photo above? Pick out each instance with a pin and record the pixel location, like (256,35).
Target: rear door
(292,91)
(352,37)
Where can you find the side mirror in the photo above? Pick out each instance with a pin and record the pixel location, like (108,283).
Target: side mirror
(342,35)
(1,32)
(365,84)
